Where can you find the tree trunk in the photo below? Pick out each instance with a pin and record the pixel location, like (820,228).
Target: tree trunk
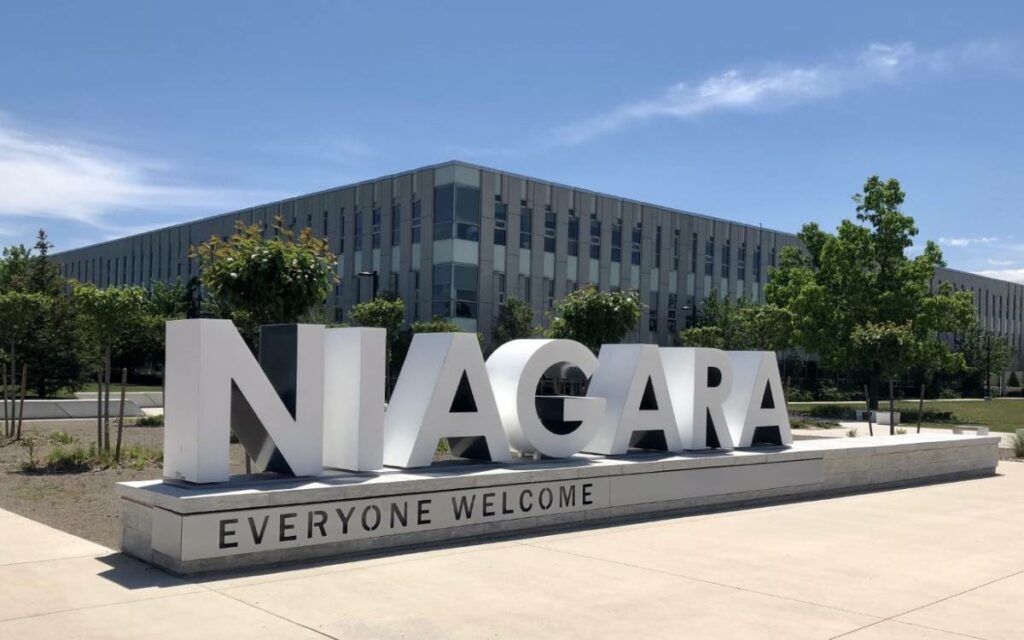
(874,387)
(920,409)
(7,414)
(892,423)
(99,410)
(867,403)
(120,415)
(106,402)
(21,408)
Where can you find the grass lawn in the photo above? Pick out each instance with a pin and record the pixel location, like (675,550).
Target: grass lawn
(999,414)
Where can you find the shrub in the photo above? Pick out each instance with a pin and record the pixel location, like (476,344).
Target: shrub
(70,459)
(1018,443)
(948,394)
(1013,381)
(150,421)
(852,432)
(61,437)
(30,442)
(900,431)
(833,411)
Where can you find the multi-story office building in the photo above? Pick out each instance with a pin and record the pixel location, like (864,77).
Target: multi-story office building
(456,240)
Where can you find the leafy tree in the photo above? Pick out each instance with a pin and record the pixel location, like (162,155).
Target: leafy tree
(260,280)
(983,351)
(400,348)
(15,268)
(738,325)
(386,311)
(116,317)
(594,317)
(515,321)
(858,301)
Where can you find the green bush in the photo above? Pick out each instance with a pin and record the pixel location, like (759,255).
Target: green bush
(949,394)
(832,411)
(69,459)
(61,437)
(1018,443)
(150,421)
(1013,381)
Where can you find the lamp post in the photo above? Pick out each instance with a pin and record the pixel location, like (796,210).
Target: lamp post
(376,280)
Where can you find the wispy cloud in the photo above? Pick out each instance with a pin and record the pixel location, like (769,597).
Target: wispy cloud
(1013,275)
(46,176)
(777,85)
(967,242)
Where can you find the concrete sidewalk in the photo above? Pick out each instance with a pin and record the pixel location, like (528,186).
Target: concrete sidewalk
(940,561)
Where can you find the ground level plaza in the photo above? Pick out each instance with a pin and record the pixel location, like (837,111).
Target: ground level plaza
(942,561)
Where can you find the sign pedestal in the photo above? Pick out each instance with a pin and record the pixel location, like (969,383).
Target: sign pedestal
(187,529)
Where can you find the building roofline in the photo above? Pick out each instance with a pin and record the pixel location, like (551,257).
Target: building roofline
(429,167)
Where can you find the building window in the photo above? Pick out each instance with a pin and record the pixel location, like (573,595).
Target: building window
(709,256)
(467,213)
(500,288)
(673,300)
(465,291)
(375,227)
(771,258)
(396,225)
(441,291)
(741,262)
(726,256)
(524,288)
(323,225)
(657,246)
(574,233)
(341,231)
(757,264)
(444,211)
(415,293)
(675,249)
(617,240)
(357,242)
(637,236)
(549,229)
(549,293)
(652,314)
(415,220)
(595,237)
(525,226)
(500,223)
(693,254)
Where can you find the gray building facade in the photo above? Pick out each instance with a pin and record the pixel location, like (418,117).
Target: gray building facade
(455,240)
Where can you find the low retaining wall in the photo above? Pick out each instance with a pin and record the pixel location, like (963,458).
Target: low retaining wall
(247,523)
(144,399)
(69,409)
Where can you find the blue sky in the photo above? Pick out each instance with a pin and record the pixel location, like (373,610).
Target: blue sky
(117,117)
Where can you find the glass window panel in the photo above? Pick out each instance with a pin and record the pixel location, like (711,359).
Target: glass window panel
(444,204)
(467,205)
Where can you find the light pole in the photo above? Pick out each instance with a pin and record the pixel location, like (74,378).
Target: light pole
(376,280)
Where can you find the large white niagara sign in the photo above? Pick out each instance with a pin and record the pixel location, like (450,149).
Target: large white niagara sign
(314,400)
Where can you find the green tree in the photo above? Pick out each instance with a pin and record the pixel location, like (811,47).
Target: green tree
(515,321)
(43,274)
(400,349)
(594,317)
(738,325)
(115,317)
(858,301)
(386,311)
(259,280)
(983,352)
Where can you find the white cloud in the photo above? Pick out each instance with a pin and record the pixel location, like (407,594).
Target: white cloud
(967,242)
(42,176)
(1013,275)
(779,86)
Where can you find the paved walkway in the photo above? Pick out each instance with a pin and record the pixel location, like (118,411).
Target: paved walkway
(935,562)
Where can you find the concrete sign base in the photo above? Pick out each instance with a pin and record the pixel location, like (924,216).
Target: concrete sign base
(187,529)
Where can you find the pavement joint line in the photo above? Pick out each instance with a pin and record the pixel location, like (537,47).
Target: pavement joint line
(96,606)
(331,568)
(712,582)
(924,626)
(929,604)
(271,613)
(41,560)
